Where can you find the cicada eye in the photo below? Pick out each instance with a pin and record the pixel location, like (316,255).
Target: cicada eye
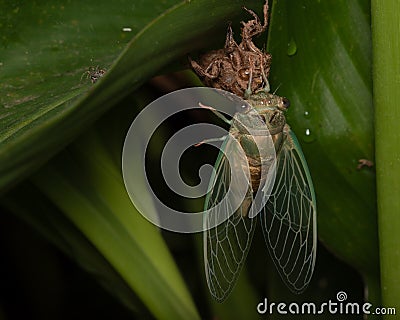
(285,103)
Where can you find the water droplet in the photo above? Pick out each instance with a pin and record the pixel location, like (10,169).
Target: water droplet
(292,48)
(308,136)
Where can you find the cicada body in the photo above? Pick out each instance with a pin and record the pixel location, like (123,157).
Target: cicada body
(286,204)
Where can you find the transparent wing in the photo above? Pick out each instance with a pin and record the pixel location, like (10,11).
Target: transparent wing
(226,245)
(289,218)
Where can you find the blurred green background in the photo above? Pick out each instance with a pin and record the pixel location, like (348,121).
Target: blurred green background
(72,243)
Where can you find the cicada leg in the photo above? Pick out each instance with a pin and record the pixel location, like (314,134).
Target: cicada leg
(210,140)
(217,113)
(266,87)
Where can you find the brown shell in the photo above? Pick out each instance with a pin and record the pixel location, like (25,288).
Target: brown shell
(237,67)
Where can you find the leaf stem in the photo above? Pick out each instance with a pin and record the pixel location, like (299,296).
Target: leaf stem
(386,79)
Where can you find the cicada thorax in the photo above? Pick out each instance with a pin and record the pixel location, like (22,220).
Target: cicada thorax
(259,155)
(261,132)
(257,160)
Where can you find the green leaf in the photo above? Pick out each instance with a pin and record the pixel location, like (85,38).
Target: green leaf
(322,62)
(87,186)
(47,47)
(43,215)
(79,202)
(386,46)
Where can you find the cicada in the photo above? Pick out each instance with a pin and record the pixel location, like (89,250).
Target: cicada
(287,209)
(259,142)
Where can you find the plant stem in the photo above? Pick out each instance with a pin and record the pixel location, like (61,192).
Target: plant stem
(386,79)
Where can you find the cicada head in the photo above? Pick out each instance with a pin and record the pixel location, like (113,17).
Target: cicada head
(271,109)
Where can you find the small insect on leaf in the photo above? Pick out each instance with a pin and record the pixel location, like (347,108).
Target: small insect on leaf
(279,187)
(364,163)
(94,74)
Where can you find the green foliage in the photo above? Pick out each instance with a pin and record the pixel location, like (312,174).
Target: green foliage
(45,58)
(75,194)
(328,80)
(386,46)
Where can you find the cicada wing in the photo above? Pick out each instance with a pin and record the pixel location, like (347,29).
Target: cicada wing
(289,217)
(226,244)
